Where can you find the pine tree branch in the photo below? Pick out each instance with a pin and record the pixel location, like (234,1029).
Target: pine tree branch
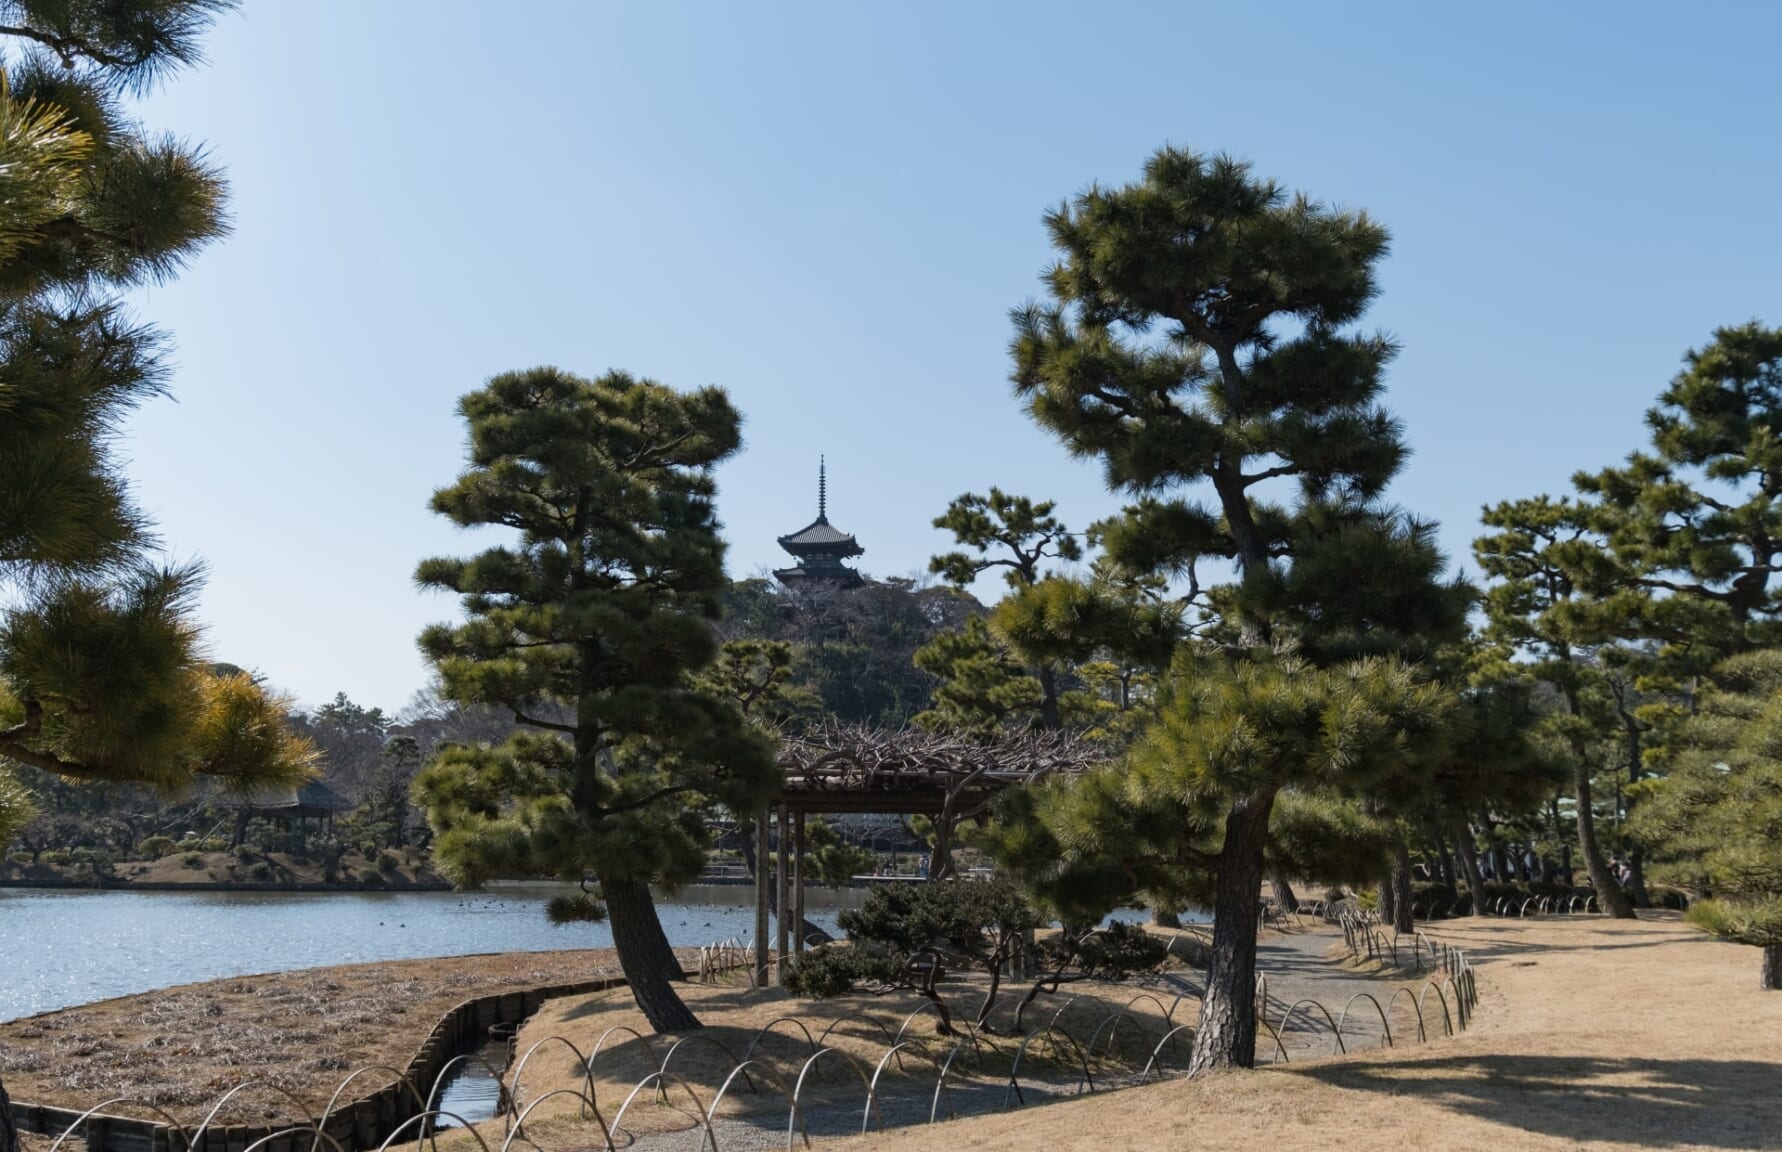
(533,721)
(660,794)
(13,746)
(68,47)
(1249,478)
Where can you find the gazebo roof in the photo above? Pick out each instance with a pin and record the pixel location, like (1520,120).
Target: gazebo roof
(853,768)
(313,797)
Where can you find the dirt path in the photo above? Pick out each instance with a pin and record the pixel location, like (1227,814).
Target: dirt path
(1590,1034)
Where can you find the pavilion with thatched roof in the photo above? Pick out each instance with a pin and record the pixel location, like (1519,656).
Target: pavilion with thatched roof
(313,801)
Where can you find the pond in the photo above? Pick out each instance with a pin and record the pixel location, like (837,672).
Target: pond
(65,947)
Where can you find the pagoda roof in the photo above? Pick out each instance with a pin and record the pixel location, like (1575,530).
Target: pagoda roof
(821,535)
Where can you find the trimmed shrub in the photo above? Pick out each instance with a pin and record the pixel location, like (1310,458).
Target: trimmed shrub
(1113,953)
(828,970)
(155,847)
(387,863)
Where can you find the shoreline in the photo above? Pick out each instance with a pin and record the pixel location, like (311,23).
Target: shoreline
(64,884)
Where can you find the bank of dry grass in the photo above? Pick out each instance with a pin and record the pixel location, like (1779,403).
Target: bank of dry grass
(180,1048)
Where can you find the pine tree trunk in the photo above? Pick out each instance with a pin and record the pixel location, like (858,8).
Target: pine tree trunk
(1636,859)
(1444,860)
(9,1132)
(1283,893)
(1636,879)
(1770,979)
(1609,895)
(1403,912)
(650,965)
(1469,865)
(1050,718)
(1387,900)
(1226,1034)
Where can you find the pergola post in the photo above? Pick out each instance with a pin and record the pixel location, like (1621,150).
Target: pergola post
(785,902)
(761,897)
(798,897)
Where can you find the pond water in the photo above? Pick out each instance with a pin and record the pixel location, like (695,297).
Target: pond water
(64,947)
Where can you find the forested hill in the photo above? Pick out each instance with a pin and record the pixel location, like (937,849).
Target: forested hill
(852,660)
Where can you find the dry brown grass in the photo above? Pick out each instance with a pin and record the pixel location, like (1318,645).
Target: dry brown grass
(862,1027)
(1591,1034)
(182,1047)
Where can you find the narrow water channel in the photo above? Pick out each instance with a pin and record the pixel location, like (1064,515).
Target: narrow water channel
(473,1091)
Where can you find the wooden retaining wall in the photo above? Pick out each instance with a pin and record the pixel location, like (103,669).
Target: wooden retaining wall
(358,1124)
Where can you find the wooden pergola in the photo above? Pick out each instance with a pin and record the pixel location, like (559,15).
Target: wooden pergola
(905,772)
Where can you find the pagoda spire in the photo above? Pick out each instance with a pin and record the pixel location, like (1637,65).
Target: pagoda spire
(819,546)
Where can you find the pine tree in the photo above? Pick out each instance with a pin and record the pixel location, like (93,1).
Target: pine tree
(1494,763)
(1199,335)
(589,629)
(1539,608)
(1024,535)
(981,688)
(1714,822)
(1698,518)
(102,675)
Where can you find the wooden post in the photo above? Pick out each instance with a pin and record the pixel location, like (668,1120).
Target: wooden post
(785,905)
(798,897)
(761,895)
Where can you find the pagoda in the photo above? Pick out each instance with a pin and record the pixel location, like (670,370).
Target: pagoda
(820,547)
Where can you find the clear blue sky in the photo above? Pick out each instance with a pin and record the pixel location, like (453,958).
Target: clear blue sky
(829,209)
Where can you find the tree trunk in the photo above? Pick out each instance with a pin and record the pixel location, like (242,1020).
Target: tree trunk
(9,1133)
(1226,1035)
(1403,912)
(1049,715)
(1445,860)
(1636,859)
(1770,980)
(1469,864)
(1388,900)
(1283,892)
(649,963)
(1636,878)
(1609,895)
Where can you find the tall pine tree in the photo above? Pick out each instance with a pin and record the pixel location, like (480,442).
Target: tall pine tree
(589,629)
(1199,336)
